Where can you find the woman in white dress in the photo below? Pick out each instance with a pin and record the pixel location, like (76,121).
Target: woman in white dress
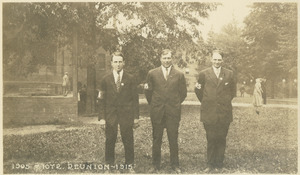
(65,84)
(257,95)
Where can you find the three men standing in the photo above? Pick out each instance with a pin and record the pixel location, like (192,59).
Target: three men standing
(165,90)
(121,107)
(215,90)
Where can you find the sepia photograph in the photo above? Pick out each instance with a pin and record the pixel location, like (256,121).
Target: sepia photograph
(141,87)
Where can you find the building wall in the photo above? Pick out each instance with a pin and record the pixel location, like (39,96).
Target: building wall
(102,66)
(38,110)
(20,108)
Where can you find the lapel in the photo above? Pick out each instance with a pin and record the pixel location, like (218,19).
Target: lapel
(221,76)
(172,72)
(161,74)
(213,76)
(112,81)
(123,81)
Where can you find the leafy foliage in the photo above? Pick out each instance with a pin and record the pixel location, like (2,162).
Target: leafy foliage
(271,33)
(34,29)
(232,45)
(265,47)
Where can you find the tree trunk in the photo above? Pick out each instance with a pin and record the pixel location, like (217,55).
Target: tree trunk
(91,89)
(75,66)
(91,72)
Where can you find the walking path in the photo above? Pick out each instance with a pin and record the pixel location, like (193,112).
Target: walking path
(36,129)
(144,101)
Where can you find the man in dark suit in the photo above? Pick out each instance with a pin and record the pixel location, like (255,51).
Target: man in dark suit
(215,89)
(118,92)
(264,92)
(165,90)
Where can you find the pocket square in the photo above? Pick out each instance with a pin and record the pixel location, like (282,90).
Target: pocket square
(226,83)
(198,86)
(146,86)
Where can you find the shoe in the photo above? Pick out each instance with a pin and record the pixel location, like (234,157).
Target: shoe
(153,170)
(177,170)
(224,170)
(130,171)
(216,170)
(102,122)
(107,172)
(207,170)
(116,172)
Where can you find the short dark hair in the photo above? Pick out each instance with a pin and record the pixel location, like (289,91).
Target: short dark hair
(117,53)
(165,52)
(219,52)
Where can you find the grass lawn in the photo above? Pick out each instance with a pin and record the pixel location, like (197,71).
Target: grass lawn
(265,143)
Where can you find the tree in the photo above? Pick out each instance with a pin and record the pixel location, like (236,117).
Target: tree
(231,44)
(158,26)
(271,33)
(27,39)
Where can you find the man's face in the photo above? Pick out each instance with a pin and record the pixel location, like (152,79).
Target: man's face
(216,60)
(117,63)
(166,60)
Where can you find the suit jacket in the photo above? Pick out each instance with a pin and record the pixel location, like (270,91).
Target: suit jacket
(165,96)
(216,95)
(124,104)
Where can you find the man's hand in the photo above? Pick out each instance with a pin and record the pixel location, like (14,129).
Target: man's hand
(146,86)
(136,123)
(198,86)
(102,123)
(100,95)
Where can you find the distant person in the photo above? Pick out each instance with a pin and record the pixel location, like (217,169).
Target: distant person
(257,95)
(99,107)
(121,108)
(242,90)
(65,84)
(83,95)
(71,83)
(215,89)
(264,91)
(165,90)
(79,85)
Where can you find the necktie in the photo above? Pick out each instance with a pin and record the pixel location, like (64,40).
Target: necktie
(167,74)
(217,73)
(118,83)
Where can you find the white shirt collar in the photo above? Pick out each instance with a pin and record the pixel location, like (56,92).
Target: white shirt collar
(116,75)
(164,69)
(217,71)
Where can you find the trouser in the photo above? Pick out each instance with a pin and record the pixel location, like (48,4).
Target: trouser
(111,131)
(172,132)
(216,143)
(264,99)
(65,90)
